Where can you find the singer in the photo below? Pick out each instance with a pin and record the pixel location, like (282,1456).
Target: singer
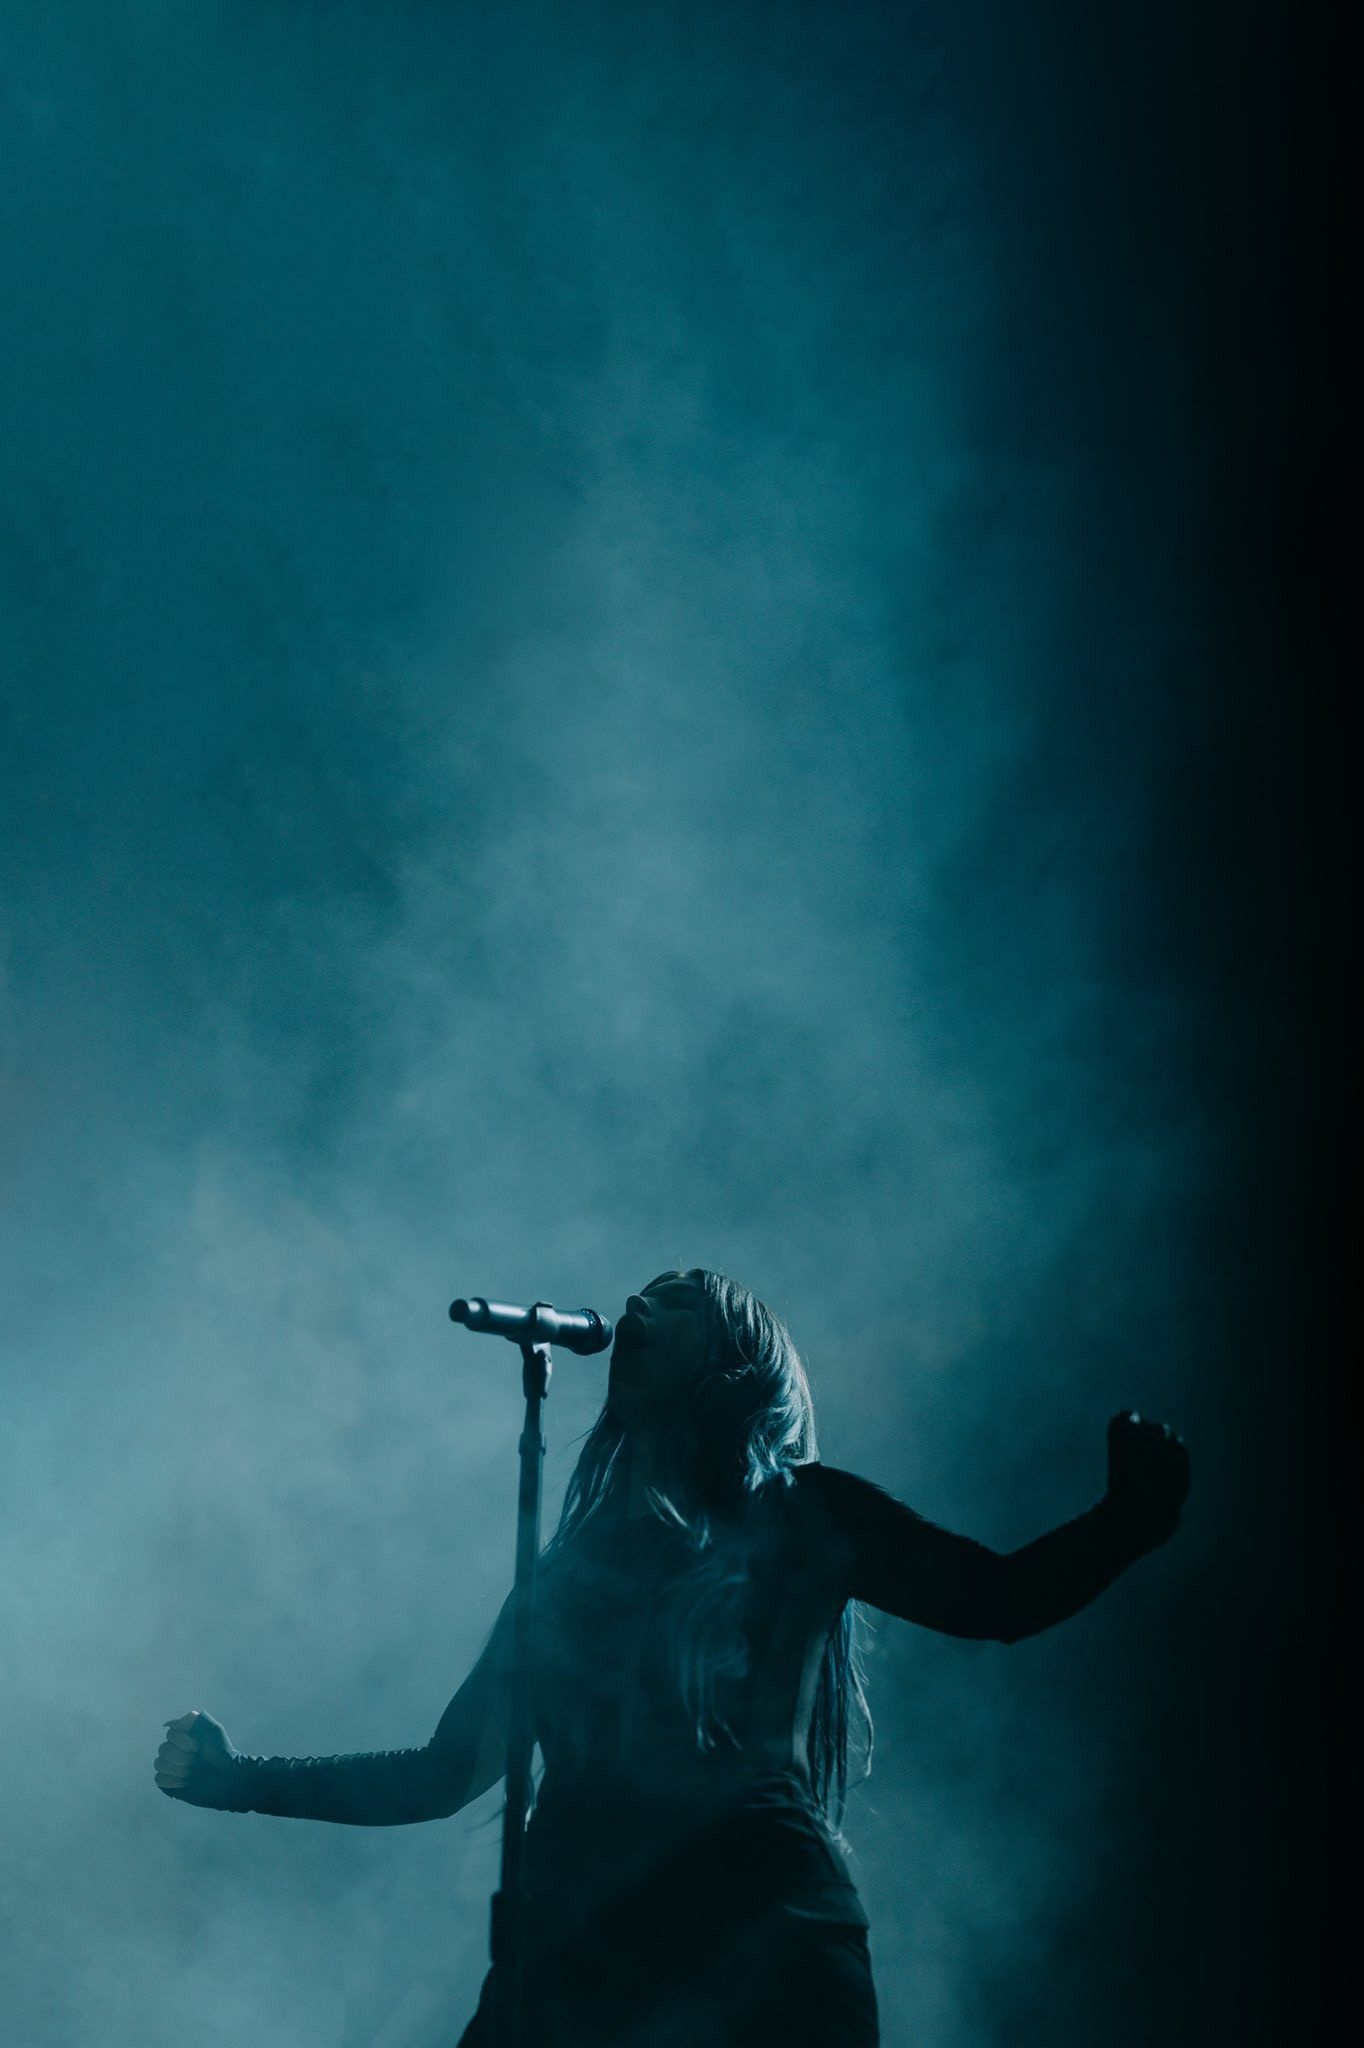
(698,1700)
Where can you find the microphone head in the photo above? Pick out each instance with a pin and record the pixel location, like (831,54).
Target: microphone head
(598,1338)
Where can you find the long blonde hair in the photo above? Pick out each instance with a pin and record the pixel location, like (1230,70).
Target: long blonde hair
(751,1422)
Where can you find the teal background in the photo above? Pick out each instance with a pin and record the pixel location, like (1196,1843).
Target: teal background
(640,636)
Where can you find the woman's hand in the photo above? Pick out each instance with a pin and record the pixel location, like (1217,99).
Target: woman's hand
(1148,1472)
(195,1761)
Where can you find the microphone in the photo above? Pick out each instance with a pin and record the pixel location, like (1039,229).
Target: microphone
(581,1330)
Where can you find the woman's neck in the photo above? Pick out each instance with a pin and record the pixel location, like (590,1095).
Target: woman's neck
(653,1463)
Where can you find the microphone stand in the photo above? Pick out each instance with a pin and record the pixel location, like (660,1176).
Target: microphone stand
(507,1943)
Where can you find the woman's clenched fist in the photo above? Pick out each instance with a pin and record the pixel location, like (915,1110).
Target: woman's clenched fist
(195,1761)
(1148,1471)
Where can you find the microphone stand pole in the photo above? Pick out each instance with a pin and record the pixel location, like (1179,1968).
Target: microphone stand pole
(508,1932)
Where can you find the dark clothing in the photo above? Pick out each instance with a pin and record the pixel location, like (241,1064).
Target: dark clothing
(656,1930)
(771,1978)
(659,1872)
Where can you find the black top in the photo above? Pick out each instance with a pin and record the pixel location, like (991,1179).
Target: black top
(626,1786)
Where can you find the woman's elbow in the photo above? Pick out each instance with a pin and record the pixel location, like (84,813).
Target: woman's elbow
(1010,1629)
(1003,1609)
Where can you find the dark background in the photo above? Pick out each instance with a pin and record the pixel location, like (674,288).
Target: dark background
(676,635)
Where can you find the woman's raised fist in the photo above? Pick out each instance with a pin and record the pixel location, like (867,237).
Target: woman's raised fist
(1148,1471)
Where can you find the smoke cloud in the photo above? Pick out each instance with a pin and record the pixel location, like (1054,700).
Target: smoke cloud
(595,681)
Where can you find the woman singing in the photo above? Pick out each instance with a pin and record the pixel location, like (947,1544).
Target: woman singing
(697,1691)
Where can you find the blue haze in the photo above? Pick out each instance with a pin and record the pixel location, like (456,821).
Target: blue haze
(591,674)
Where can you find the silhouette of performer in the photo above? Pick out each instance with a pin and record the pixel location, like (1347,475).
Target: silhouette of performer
(696,1691)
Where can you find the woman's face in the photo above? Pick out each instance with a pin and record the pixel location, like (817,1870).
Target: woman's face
(660,1343)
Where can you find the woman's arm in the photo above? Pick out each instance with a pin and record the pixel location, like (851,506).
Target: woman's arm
(371,1788)
(909,1567)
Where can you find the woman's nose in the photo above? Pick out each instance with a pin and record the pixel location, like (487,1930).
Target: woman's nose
(636,1305)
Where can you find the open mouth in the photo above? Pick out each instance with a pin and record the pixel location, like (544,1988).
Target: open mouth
(631,1334)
